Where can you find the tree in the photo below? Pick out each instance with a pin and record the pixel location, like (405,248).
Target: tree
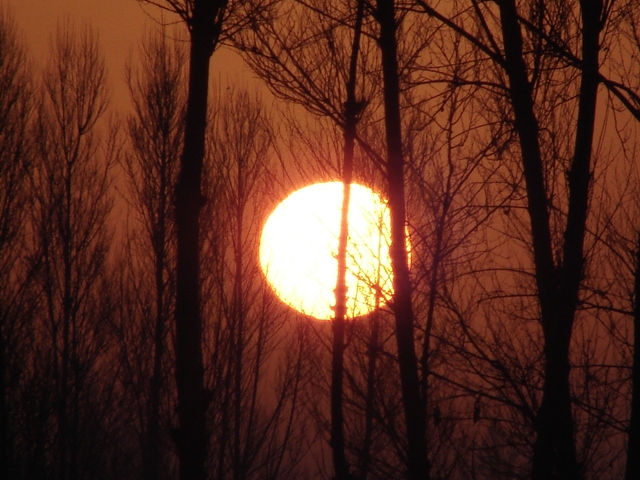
(414,407)
(256,423)
(155,130)
(304,61)
(204,19)
(558,285)
(69,215)
(625,89)
(351,114)
(16,107)
(558,264)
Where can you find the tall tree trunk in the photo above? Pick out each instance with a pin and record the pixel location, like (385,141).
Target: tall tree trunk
(372,353)
(237,338)
(191,436)
(340,462)
(415,415)
(152,454)
(6,454)
(633,446)
(64,430)
(558,286)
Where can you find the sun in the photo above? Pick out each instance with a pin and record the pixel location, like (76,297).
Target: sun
(299,246)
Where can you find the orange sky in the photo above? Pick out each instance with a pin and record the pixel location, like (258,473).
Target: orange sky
(120,24)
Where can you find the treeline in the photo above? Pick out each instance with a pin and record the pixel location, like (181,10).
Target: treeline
(504,136)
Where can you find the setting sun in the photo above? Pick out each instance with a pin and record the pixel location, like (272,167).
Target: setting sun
(299,246)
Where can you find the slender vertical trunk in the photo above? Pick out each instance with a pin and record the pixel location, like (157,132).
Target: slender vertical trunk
(223,428)
(238,318)
(5,445)
(372,353)
(52,357)
(437,259)
(415,416)
(76,388)
(63,416)
(433,292)
(191,436)
(152,460)
(340,462)
(633,446)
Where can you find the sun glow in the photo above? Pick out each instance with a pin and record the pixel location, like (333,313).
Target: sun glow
(299,246)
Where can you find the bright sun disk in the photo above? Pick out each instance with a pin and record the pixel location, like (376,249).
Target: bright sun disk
(299,246)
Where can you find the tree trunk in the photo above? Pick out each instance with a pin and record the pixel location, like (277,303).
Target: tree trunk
(152,454)
(415,415)
(191,435)
(554,454)
(6,455)
(237,338)
(340,463)
(372,353)
(633,447)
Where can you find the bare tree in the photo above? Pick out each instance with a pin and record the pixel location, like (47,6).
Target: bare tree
(70,211)
(256,418)
(204,20)
(352,111)
(281,54)
(626,250)
(414,407)
(155,130)
(518,44)
(633,464)
(16,107)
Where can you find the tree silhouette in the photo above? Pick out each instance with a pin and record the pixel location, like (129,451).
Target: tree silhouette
(70,208)
(255,426)
(414,408)
(204,21)
(557,281)
(155,131)
(16,107)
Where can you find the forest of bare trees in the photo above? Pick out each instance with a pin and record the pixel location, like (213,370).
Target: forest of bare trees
(139,337)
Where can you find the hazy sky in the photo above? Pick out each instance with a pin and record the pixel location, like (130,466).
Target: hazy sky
(120,24)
